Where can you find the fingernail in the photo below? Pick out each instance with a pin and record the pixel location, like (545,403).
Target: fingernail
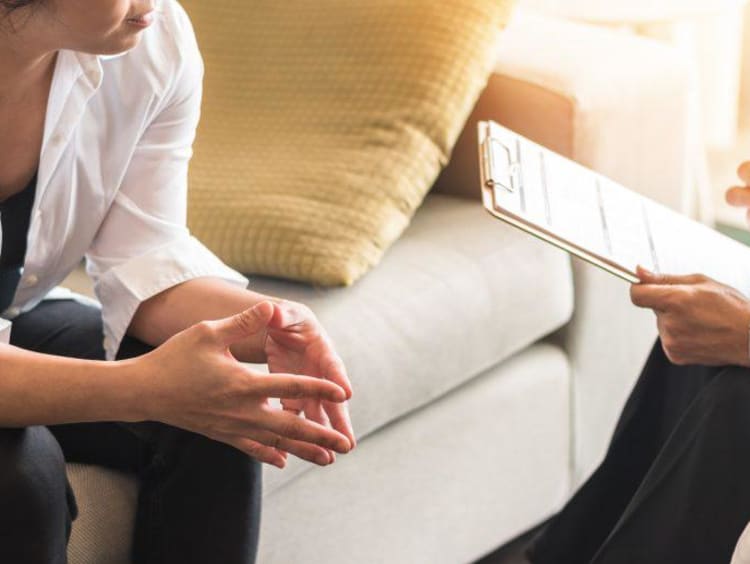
(645,271)
(322,459)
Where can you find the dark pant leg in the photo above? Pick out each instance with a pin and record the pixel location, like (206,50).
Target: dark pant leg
(37,504)
(695,500)
(199,500)
(659,400)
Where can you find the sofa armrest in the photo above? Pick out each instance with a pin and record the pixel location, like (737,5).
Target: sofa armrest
(535,111)
(616,103)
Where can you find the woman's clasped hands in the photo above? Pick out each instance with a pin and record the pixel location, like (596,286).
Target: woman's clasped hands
(194,382)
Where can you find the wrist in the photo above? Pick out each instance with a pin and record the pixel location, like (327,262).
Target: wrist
(131,384)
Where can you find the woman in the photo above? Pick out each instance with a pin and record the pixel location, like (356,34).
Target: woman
(98,108)
(674,486)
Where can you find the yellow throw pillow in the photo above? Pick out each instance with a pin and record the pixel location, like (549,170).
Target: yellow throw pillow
(326,122)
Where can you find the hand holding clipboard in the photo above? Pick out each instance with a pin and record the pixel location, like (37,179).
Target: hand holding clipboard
(594,218)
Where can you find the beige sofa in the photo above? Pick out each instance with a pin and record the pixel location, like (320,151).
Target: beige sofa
(488,368)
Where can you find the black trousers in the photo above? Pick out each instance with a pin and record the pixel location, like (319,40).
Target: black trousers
(674,486)
(199,500)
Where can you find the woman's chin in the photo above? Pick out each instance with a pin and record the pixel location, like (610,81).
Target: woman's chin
(114,45)
(125,45)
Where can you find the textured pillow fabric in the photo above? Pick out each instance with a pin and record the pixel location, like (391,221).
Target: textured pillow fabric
(325,123)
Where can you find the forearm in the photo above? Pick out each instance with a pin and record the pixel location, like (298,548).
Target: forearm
(39,389)
(186,304)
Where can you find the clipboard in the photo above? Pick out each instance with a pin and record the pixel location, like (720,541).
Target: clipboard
(501,172)
(596,219)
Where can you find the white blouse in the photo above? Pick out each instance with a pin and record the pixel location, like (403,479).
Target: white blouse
(112,179)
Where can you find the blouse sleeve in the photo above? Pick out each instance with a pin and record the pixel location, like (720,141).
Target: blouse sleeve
(143,247)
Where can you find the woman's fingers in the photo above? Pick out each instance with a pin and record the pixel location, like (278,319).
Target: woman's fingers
(270,449)
(306,451)
(243,324)
(257,450)
(335,371)
(334,414)
(338,415)
(288,314)
(290,426)
(314,412)
(292,386)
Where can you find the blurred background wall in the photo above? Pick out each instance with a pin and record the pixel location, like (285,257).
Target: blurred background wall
(713,36)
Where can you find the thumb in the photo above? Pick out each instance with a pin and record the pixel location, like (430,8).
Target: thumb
(244,324)
(648,277)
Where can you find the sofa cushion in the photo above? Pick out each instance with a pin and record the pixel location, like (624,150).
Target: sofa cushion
(458,293)
(445,485)
(326,123)
(106,501)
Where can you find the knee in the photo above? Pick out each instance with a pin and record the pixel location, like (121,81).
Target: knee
(32,477)
(207,456)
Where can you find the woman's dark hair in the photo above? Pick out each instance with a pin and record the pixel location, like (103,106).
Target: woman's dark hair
(11,5)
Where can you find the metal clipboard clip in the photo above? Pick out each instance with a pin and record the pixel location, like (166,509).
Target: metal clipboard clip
(502,168)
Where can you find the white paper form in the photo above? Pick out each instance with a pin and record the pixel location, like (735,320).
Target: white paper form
(688,247)
(598,219)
